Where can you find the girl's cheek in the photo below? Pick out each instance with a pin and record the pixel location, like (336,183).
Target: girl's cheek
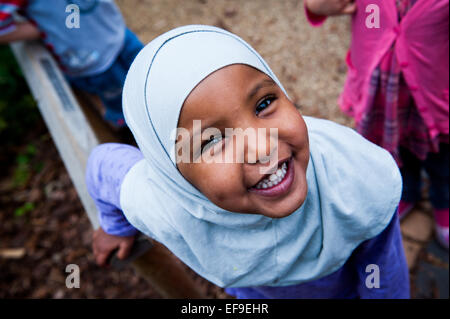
(221,180)
(291,127)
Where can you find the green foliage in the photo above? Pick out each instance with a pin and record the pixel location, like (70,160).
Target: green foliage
(18,110)
(23,169)
(25,208)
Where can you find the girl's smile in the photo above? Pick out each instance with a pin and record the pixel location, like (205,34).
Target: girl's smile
(278,183)
(239,96)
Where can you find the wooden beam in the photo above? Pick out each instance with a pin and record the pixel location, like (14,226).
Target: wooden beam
(66,122)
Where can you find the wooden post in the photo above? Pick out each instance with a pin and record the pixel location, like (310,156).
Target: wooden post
(74,138)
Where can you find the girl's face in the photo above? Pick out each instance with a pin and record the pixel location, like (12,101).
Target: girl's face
(241,97)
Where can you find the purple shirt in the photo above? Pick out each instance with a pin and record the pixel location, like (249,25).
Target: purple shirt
(109,163)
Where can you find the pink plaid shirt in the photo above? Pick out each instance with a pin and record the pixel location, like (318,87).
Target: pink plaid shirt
(398,77)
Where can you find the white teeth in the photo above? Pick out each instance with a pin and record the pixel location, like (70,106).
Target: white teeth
(273,179)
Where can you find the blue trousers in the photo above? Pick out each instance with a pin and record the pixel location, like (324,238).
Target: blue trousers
(109,84)
(436,165)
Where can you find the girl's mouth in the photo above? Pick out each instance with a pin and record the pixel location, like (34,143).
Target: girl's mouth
(277,183)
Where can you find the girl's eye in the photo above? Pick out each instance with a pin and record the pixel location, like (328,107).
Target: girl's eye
(264,103)
(211,142)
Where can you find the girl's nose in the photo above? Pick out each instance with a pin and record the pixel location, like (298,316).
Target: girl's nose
(263,149)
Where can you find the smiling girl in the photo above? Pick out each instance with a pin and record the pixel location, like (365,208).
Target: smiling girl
(308,229)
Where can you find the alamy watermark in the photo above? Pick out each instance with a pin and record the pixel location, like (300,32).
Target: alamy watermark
(73,18)
(373,279)
(73,279)
(373,19)
(212,146)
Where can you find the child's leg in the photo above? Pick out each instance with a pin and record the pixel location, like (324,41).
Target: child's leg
(412,183)
(109,84)
(437,168)
(110,92)
(108,87)
(132,46)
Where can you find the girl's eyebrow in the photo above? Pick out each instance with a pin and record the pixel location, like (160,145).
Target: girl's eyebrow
(260,85)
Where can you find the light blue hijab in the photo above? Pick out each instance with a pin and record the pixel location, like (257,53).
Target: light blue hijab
(353,185)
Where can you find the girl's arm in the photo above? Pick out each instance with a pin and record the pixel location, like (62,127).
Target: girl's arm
(106,168)
(317,10)
(381,265)
(19,32)
(11,30)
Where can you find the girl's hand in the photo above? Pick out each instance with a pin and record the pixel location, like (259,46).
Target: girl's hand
(331,7)
(103,244)
(24,31)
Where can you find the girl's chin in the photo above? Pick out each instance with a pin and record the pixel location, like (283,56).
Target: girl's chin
(284,207)
(285,211)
